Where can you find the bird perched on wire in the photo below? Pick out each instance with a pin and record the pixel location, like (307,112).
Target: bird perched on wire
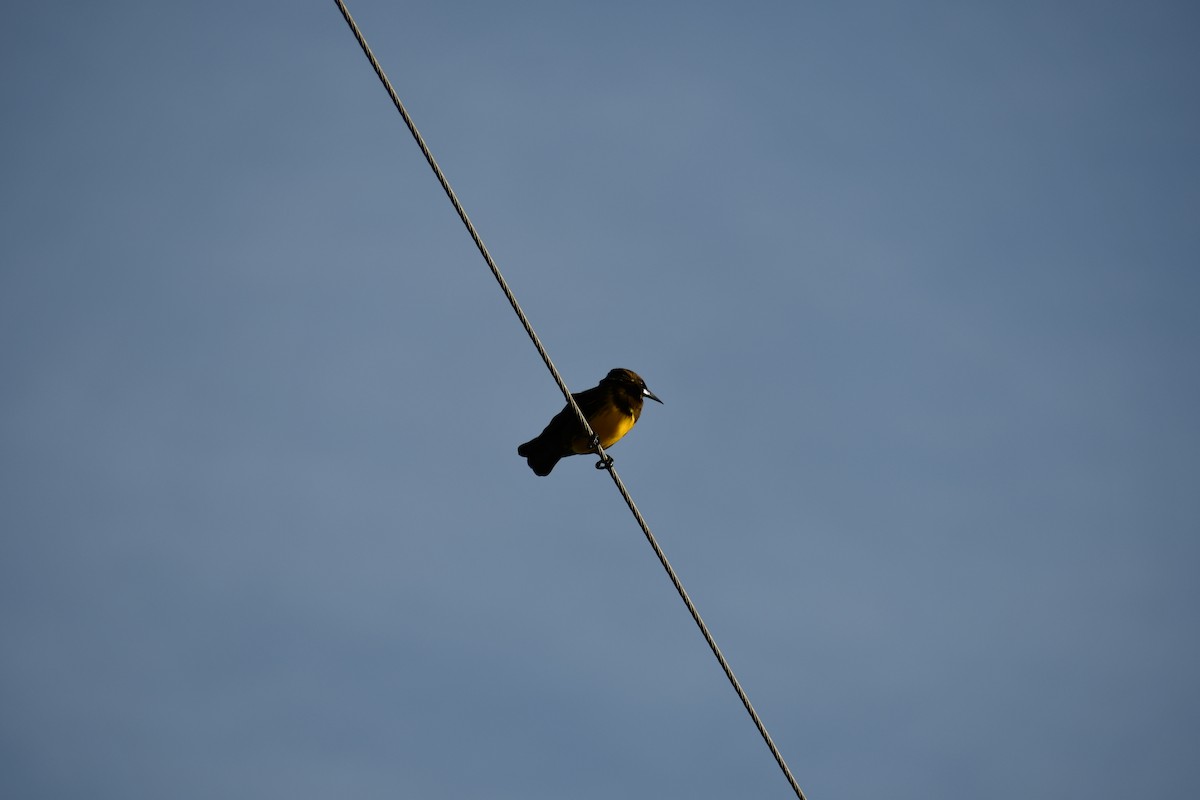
(612,409)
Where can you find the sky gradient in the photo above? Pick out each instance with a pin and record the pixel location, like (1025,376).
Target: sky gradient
(918,286)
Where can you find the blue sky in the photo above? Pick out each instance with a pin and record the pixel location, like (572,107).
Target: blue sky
(917,284)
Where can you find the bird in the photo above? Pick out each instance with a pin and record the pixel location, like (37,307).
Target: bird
(612,409)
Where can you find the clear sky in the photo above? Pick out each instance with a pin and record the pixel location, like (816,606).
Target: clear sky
(917,282)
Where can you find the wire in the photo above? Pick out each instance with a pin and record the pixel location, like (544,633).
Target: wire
(606,461)
(512,299)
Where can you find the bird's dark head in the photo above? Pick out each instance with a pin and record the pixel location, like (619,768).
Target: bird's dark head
(630,380)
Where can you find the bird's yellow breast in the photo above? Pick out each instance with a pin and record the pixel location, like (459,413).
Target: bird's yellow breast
(610,424)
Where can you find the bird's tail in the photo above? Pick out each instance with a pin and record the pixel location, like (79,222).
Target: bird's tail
(541,459)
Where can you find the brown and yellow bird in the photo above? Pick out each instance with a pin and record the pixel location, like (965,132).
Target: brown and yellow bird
(612,409)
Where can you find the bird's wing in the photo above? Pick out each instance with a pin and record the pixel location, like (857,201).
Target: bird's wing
(590,401)
(564,425)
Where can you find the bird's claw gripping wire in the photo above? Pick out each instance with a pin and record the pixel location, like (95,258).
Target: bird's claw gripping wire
(605,461)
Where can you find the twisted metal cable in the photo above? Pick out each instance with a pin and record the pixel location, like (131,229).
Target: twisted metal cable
(512,299)
(606,461)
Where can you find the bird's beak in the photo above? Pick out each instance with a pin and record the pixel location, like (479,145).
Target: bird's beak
(650,394)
